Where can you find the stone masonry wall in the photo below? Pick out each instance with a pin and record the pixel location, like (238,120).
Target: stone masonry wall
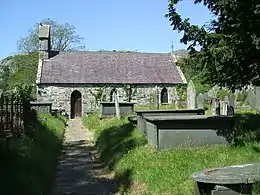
(60,95)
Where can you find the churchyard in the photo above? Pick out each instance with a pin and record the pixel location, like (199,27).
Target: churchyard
(154,131)
(149,155)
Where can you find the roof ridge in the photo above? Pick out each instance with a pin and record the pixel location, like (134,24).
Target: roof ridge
(135,52)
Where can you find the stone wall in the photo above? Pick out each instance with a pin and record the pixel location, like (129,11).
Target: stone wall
(60,95)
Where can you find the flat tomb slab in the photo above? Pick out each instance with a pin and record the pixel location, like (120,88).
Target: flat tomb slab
(143,114)
(235,180)
(188,131)
(169,110)
(109,109)
(184,117)
(158,112)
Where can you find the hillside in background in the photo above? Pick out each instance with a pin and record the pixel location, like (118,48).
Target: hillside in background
(18,69)
(181,53)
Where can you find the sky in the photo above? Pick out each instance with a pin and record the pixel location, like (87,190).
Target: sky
(115,24)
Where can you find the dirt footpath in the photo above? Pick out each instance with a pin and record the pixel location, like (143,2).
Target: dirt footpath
(78,173)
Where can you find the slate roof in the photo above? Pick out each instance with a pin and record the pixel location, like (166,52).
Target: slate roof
(110,68)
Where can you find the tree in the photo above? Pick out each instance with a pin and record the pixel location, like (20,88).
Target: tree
(19,70)
(230,43)
(63,38)
(5,72)
(24,69)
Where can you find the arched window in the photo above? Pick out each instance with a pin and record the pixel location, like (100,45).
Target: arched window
(164,96)
(112,95)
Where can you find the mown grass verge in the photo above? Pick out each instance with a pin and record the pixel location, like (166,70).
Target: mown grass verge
(28,166)
(139,169)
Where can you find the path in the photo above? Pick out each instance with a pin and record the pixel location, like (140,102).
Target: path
(77,172)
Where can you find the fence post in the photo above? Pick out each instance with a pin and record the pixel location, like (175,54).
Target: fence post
(11,114)
(26,115)
(7,113)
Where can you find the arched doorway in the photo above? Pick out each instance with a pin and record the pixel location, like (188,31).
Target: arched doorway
(76,104)
(164,96)
(112,95)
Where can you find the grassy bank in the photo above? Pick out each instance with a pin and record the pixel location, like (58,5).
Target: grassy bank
(143,170)
(29,166)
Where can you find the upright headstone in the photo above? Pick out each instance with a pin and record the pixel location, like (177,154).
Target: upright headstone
(225,106)
(191,95)
(156,98)
(116,96)
(257,100)
(200,101)
(217,109)
(213,106)
(231,100)
(251,99)
(231,104)
(212,93)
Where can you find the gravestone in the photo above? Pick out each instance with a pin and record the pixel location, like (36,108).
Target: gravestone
(251,99)
(191,95)
(225,106)
(231,105)
(212,93)
(156,98)
(200,101)
(116,97)
(257,95)
(217,109)
(215,106)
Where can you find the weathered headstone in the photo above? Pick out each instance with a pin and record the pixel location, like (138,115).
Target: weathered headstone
(214,105)
(257,95)
(251,98)
(212,93)
(156,98)
(200,101)
(116,97)
(231,104)
(217,109)
(225,106)
(191,95)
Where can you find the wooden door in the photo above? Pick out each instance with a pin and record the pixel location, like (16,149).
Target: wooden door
(76,104)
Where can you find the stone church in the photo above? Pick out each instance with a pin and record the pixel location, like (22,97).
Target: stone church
(77,81)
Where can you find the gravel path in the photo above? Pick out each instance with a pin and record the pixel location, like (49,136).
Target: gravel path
(77,172)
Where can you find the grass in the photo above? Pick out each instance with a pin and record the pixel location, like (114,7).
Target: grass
(140,169)
(29,165)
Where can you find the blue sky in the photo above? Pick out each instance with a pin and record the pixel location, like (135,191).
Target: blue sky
(114,24)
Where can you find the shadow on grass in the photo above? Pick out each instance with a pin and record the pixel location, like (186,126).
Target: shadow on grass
(27,166)
(247,129)
(241,130)
(113,143)
(116,141)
